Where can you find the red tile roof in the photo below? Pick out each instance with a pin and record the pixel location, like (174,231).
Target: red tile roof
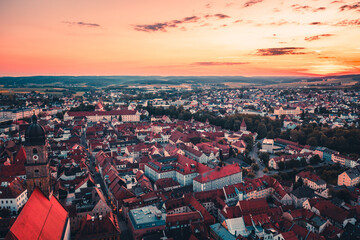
(218,173)
(15,187)
(289,235)
(41,218)
(166,183)
(182,218)
(253,206)
(21,156)
(102,113)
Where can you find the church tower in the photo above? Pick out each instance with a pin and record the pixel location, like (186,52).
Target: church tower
(37,163)
(243,125)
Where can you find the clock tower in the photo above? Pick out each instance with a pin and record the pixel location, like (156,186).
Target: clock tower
(37,163)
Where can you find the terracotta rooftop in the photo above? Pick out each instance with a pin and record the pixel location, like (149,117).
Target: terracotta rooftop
(218,173)
(41,218)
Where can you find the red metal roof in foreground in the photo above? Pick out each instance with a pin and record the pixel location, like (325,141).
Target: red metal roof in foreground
(41,218)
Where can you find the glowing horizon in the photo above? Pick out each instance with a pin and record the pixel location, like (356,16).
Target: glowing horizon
(185,38)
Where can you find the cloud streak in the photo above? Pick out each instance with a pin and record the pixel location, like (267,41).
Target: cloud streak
(280,51)
(165,25)
(219,63)
(317,37)
(302,8)
(83,24)
(252,2)
(355,6)
(218,15)
(316,23)
(344,23)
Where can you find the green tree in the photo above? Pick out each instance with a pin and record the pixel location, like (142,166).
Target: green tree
(271,134)
(315,159)
(303,162)
(221,157)
(255,167)
(251,175)
(180,128)
(298,183)
(60,115)
(302,117)
(281,165)
(312,141)
(261,130)
(249,140)
(5,213)
(265,157)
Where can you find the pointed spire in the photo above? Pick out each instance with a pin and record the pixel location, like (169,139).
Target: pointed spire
(34,119)
(243,125)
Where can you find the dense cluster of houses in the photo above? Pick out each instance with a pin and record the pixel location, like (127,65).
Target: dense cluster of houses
(113,175)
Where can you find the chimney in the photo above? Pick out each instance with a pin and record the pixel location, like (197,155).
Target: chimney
(158,215)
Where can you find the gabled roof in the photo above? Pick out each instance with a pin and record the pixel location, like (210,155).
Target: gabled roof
(99,227)
(312,177)
(21,156)
(41,218)
(303,192)
(218,173)
(254,206)
(14,188)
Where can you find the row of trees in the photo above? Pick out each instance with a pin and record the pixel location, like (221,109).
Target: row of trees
(82,107)
(329,173)
(264,126)
(296,163)
(340,139)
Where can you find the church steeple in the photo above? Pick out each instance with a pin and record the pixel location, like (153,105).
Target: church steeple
(37,163)
(243,125)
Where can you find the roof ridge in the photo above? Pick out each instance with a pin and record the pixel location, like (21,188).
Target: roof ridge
(45,220)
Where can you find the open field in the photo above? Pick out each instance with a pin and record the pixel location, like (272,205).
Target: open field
(239,84)
(47,90)
(338,82)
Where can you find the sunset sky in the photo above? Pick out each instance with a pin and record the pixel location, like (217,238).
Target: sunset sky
(188,37)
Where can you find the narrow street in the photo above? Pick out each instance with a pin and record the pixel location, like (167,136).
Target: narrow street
(254,155)
(99,182)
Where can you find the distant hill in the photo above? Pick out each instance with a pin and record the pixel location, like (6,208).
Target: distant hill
(103,81)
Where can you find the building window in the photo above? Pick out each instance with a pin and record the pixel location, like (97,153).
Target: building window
(35,151)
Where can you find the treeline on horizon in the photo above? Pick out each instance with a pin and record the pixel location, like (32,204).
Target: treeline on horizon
(103,81)
(339,139)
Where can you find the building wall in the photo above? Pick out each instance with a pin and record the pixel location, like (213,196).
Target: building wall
(95,118)
(338,159)
(183,179)
(138,233)
(344,179)
(281,111)
(14,204)
(67,232)
(217,183)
